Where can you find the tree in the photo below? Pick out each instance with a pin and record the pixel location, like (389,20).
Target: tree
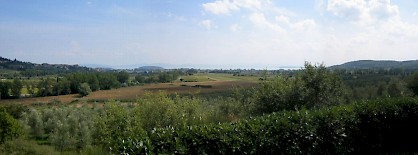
(107,81)
(140,79)
(314,86)
(45,87)
(84,89)
(30,88)
(9,127)
(5,89)
(93,82)
(123,77)
(413,83)
(321,87)
(16,88)
(65,86)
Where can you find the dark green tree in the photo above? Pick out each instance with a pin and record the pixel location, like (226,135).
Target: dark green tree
(140,79)
(5,89)
(45,87)
(16,88)
(123,77)
(93,82)
(107,81)
(413,83)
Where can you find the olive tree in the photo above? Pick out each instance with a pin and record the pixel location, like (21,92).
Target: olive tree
(313,86)
(84,89)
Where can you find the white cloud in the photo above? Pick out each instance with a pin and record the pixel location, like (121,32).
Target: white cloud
(208,24)
(302,25)
(227,6)
(399,27)
(220,7)
(374,15)
(235,28)
(305,25)
(283,19)
(260,20)
(363,12)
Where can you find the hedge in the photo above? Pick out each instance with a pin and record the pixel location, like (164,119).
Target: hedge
(384,126)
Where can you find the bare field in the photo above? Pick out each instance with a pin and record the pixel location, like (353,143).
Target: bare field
(131,93)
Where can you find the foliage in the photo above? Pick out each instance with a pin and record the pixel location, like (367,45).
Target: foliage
(122,77)
(413,83)
(84,89)
(5,89)
(22,146)
(45,87)
(116,124)
(314,86)
(16,88)
(9,127)
(374,127)
(64,128)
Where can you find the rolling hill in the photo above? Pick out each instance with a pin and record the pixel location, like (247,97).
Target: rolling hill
(378,64)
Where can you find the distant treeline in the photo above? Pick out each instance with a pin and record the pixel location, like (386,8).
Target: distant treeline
(71,83)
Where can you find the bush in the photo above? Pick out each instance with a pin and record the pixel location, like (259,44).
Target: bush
(84,89)
(9,127)
(21,146)
(374,127)
(314,86)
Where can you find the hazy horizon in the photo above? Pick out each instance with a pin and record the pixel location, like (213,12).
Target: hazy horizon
(211,33)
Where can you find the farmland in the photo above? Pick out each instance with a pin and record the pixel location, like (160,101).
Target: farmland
(219,84)
(228,112)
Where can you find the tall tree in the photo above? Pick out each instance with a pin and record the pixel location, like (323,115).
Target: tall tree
(413,83)
(123,77)
(5,89)
(314,86)
(16,88)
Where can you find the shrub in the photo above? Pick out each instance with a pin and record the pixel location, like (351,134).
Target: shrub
(373,127)
(314,86)
(84,89)
(21,146)
(9,127)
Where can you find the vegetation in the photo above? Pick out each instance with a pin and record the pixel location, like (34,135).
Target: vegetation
(314,110)
(9,127)
(315,86)
(84,89)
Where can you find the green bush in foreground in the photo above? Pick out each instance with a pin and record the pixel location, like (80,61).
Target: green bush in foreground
(21,146)
(9,127)
(382,126)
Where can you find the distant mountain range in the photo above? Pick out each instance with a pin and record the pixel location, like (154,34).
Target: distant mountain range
(8,64)
(378,64)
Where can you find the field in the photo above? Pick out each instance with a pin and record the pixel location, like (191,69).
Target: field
(206,85)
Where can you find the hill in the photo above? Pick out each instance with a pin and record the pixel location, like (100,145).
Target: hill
(149,68)
(380,64)
(33,69)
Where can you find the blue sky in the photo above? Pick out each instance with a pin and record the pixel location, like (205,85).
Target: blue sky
(210,33)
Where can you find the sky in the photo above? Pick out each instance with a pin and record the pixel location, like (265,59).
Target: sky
(208,33)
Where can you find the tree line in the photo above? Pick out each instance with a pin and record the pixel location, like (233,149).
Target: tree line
(81,83)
